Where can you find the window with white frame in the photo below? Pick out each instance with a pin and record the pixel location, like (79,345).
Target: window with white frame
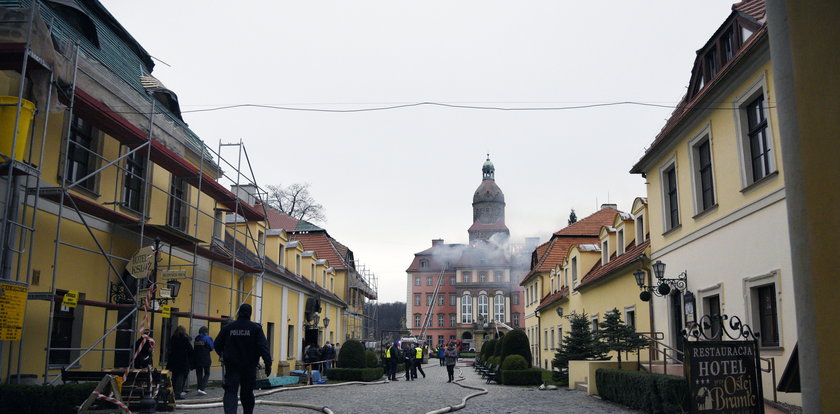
(429,281)
(467,277)
(552,338)
(574,271)
(756,142)
(545,339)
(453,300)
(429,297)
(466,309)
(640,229)
(767,314)
(619,242)
(499,308)
(670,199)
(701,159)
(482,277)
(440,320)
(424,264)
(630,317)
(482,306)
(498,276)
(417,300)
(595,323)
(515,319)
(416,320)
(514,298)
(559,337)
(605,252)
(452,320)
(441,300)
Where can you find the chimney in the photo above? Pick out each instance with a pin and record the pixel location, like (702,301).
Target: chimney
(436,242)
(612,206)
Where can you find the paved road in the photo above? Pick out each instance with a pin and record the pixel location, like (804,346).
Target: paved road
(427,394)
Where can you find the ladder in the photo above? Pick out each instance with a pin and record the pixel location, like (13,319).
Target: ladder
(430,312)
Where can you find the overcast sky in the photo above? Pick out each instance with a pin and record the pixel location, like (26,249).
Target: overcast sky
(392,180)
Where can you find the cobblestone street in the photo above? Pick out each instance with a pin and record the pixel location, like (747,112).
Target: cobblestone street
(424,395)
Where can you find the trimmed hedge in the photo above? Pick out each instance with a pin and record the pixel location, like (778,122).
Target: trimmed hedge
(352,355)
(371,360)
(530,376)
(355,374)
(41,399)
(514,363)
(644,391)
(515,343)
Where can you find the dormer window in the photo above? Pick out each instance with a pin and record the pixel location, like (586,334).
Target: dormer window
(727,43)
(620,240)
(745,34)
(605,252)
(424,264)
(711,63)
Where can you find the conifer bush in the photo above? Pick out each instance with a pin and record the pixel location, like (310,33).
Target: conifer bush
(514,362)
(352,355)
(371,360)
(516,343)
(488,349)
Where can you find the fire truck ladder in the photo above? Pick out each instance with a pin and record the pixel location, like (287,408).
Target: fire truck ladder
(428,319)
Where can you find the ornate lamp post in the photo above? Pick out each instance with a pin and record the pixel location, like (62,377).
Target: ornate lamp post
(663,285)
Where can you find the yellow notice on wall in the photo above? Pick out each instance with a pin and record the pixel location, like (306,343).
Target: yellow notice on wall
(165,311)
(12,308)
(71,299)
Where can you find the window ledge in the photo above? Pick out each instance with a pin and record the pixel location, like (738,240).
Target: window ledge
(672,230)
(706,212)
(773,349)
(760,182)
(84,191)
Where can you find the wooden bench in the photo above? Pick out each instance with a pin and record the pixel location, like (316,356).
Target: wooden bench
(493,374)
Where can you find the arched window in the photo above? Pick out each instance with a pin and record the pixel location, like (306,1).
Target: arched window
(466,309)
(499,308)
(482,306)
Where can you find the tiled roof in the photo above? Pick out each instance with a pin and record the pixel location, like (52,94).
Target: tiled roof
(591,225)
(553,298)
(285,274)
(754,9)
(482,257)
(280,220)
(324,247)
(600,272)
(436,255)
(554,253)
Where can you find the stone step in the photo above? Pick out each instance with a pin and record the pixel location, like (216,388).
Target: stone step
(582,386)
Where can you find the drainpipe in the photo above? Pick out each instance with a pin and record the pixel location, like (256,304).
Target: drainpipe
(539,333)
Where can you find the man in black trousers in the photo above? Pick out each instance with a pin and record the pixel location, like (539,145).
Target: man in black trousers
(240,344)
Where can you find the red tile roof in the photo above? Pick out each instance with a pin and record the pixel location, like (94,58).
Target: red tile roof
(600,272)
(591,225)
(553,298)
(280,220)
(754,8)
(324,246)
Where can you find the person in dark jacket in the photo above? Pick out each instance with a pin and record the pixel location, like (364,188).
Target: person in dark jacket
(418,361)
(241,343)
(178,360)
(202,346)
(391,356)
(328,353)
(313,355)
(408,358)
(144,357)
(440,354)
(451,357)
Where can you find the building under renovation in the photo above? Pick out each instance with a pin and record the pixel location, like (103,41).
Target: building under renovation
(470,292)
(117,218)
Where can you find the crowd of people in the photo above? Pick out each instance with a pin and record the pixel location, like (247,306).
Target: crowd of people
(412,356)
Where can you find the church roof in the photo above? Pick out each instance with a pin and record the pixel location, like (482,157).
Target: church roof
(488,191)
(499,225)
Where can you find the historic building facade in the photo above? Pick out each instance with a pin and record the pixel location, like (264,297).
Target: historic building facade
(469,292)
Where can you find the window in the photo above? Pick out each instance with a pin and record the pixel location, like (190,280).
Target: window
(728,45)
(605,252)
(574,270)
(759,144)
(595,323)
(82,154)
(466,309)
(482,277)
(669,187)
(312,272)
(453,300)
(451,337)
(630,317)
(440,320)
(297,264)
(429,299)
(545,339)
(640,229)
(440,339)
(552,338)
(451,280)
(429,281)
(467,277)
(499,276)
(332,284)
(417,300)
(452,321)
(768,318)
(559,337)
(499,308)
(135,173)
(482,306)
(416,320)
(620,242)
(441,300)
(515,319)
(178,210)
(711,64)
(566,276)
(417,281)
(261,249)
(711,307)
(552,285)
(424,264)
(514,298)
(701,158)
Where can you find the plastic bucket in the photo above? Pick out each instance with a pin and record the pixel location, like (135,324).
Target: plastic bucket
(8,110)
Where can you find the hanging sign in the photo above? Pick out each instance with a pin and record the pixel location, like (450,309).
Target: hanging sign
(723,377)
(165,293)
(71,299)
(141,262)
(173,274)
(165,311)
(12,307)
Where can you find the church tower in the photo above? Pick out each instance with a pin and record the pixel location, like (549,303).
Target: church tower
(488,207)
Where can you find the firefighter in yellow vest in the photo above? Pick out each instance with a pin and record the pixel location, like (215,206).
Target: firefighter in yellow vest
(390,357)
(418,361)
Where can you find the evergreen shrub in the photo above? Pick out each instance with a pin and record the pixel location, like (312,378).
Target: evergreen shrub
(490,349)
(644,391)
(352,355)
(514,363)
(355,374)
(44,399)
(516,343)
(529,376)
(371,360)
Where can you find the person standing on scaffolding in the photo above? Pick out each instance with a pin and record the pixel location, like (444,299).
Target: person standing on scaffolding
(241,344)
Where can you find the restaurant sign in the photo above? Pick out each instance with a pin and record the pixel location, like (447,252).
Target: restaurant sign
(724,377)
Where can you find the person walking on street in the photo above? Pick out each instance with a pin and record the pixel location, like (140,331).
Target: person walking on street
(408,358)
(418,361)
(178,360)
(391,356)
(202,346)
(451,357)
(241,343)
(440,353)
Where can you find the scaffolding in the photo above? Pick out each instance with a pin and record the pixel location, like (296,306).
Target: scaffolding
(23,191)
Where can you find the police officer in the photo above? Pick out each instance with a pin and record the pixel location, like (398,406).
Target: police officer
(418,361)
(241,343)
(390,358)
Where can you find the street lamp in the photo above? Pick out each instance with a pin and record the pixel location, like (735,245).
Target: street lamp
(326,322)
(663,285)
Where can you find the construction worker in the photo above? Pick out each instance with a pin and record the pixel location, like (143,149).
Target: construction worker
(390,357)
(241,343)
(418,361)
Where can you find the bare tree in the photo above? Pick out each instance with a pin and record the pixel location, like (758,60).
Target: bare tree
(296,201)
